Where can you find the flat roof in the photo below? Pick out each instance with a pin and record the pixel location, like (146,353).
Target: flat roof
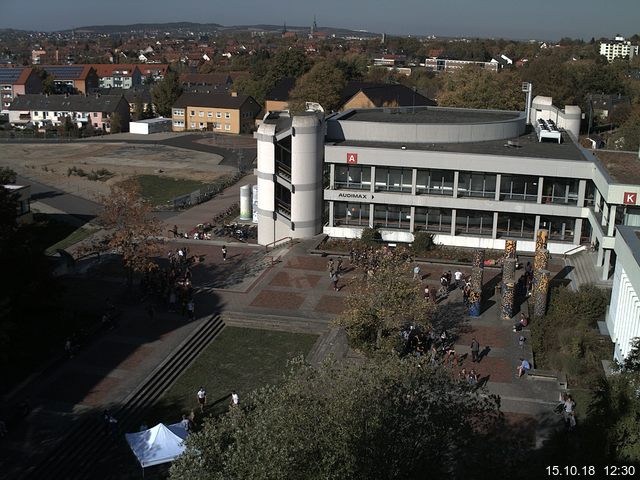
(624,167)
(526,145)
(429,115)
(631,236)
(153,120)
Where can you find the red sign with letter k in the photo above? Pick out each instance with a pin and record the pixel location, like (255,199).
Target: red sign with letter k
(630,198)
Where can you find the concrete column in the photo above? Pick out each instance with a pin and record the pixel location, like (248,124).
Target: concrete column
(331,213)
(414,184)
(497,196)
(371,207)
(606,265)
(453,221)
(612,220)
(412,220)
(373,180)
(536,226)
(577,231)
(456,177)
(596,201)
(605,215)
(582,191)
(599,257)
(494,232)
(332,176)
(540,185)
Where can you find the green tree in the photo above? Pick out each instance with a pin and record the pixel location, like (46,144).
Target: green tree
(322,84)
(116,123)
(138,113)
(165,93)
(474,87)
(382,304)
(130,228)
(390,418)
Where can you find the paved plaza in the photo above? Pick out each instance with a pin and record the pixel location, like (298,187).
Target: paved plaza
(286,289)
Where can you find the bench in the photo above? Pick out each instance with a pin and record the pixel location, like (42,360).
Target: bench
(560,377)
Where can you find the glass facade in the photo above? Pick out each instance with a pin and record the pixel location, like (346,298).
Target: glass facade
(522,188)
(353,177)
(516,225)
(394,179)
(560,228)
(434,182)
(473,222)
(432,220)
(475,184)
(392,216)
(560,190)
(346,213)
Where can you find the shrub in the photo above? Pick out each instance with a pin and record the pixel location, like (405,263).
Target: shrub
(422,243)
(370,237)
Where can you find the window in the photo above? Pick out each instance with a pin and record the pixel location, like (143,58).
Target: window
(192,113)
(209,114)
(193,125)
(522,188)
(474,222)
(227,127)
(434,182)
(35,114)
(394,179)
(348,176)
(227,115)
(392,216)
(475,184)
(560,228)
(201,125)
(218,126)
(218,115)
(560,190)
(95,114)
(516,225)
(178,113)
(351,214)
(201,114)
(178,123)
(432,220)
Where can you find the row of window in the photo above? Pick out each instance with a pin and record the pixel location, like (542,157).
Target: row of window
(60,114)
(438,220)
(192,113)
(470,184)
(202,125)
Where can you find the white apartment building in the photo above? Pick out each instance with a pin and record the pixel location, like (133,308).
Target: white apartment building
(618,48)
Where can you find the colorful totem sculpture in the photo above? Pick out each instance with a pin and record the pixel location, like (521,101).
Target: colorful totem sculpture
(508,279)
(540,292)
(477,271)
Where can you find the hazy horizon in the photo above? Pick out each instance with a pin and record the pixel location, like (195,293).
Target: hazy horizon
(543,19)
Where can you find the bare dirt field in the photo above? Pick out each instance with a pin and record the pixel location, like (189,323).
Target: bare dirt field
(50,163)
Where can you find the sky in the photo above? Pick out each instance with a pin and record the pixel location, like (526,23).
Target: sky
(514,19)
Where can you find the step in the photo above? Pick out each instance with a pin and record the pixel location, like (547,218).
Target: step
(276,322)
(75,454)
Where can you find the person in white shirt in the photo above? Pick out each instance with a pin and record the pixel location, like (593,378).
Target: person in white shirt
(458,278)
(235,400)
(202,398)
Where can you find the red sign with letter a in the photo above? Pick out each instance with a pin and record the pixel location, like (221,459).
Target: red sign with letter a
(630,198)
(352,158)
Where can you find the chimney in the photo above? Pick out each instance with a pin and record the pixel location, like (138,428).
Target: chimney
(234,94)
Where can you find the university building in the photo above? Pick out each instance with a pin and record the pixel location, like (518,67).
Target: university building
(472,178)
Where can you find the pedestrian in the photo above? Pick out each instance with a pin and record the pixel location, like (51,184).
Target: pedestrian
(202,398)
(426,293)
(339,266)
(68,348)
(191,309)
(330,266)
(334,279)
(521,340)
(458,278)
(235,400)
(475,350)
(472,379)
(416,273)
(224,253)
(185,423)
(523,368)
(569,413)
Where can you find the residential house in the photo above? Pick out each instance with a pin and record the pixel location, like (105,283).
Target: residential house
(192,82)
(156,71)
(97,110)
(605,105)
(17,81)
(354,95)
(73,78)
(118,76)
(135,96)
(219,112)
(440,64)
(618,48)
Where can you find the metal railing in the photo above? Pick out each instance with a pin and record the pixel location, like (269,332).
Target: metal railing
(276,243)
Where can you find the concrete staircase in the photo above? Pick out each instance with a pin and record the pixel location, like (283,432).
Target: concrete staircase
(281,323)
(584,270)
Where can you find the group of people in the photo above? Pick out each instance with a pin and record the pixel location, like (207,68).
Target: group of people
(335,270)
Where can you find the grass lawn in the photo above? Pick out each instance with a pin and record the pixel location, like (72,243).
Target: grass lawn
(71,239)
(240,359)
(49,234)
(160,190)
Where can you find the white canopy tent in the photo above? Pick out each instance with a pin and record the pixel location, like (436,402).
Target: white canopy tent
(159,444)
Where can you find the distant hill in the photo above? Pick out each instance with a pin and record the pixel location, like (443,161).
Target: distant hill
(209,27)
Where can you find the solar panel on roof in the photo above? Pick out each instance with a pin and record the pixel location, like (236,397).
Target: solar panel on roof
(9,75)
(63,72)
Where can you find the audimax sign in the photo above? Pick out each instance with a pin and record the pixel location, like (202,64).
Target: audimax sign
(358,196)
